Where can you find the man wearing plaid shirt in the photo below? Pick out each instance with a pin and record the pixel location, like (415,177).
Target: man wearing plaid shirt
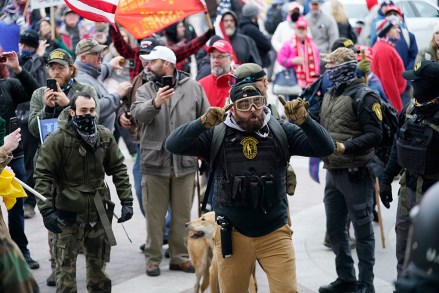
(181,52)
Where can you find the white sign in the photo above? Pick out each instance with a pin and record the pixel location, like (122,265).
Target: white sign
(37,4)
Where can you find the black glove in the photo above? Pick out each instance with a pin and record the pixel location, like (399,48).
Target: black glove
(386,194)
(210,32)
(127,211)
(51,220)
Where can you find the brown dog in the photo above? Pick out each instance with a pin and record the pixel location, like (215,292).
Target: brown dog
(200,248)
(202,253)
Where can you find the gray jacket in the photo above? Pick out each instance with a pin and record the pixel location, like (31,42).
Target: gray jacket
(188,103)
(324,30)
(108,103)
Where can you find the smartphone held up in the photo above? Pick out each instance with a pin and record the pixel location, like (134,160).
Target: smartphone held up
(167,80)
(51,84)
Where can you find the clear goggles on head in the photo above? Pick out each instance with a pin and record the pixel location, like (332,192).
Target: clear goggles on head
(245,104)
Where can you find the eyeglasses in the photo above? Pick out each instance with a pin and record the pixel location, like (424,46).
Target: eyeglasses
(99,54)
(246,104)
(219,57)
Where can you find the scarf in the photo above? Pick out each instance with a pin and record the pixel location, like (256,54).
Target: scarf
(308,71)
(388,40)
(26,53)
(343,73)
(68,86)
(85,127)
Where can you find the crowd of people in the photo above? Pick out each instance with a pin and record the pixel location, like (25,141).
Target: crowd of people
(96,84)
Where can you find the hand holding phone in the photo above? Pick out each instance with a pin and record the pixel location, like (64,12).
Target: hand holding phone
(5,55)
(51,84)
(14,124)
(167,80)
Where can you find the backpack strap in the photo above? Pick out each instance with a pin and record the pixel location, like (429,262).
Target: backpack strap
(219,132)
(280,135)
(362,93)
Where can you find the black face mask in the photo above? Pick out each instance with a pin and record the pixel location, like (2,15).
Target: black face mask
(85,126)
(295,16)
(85,123)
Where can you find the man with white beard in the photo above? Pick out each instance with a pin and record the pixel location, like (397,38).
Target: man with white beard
(245,50)
(217,84)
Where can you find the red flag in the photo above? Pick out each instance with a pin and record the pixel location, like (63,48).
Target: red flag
(96,10)
(145,17)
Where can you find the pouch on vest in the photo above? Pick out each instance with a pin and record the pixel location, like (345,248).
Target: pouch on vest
(415,148)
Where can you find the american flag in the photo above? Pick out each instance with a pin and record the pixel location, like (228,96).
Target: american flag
(95,10)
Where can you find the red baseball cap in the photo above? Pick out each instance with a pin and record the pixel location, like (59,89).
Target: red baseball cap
(222,46)
(394,8)
(301,23)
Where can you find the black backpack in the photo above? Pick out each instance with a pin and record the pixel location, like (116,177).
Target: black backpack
(390,116)
(273,18)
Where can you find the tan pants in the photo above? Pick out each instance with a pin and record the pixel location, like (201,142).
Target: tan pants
(274,252)
(158,194)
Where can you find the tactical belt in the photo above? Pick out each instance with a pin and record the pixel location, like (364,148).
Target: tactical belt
(104,219)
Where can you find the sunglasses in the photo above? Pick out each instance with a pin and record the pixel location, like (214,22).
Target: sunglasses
(246,104)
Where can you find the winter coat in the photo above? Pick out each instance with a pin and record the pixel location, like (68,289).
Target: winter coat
(388,67)
(323,29)
(188,103)
(67,163)
(263,43)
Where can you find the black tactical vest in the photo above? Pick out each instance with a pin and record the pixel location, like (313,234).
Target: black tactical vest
(250,171)
(418,146)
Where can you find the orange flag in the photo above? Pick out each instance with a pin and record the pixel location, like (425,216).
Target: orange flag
(142,18)
(10,190)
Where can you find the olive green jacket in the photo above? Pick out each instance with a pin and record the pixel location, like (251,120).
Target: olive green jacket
(68,173)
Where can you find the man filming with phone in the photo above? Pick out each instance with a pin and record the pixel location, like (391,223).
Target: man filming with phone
(166,179)
(49,101)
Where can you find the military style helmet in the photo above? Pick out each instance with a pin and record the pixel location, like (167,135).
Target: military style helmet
(424,241)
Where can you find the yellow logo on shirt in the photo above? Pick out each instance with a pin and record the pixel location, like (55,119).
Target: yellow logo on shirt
(249,148)
(376,107)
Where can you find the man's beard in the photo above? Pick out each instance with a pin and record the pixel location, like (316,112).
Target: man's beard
(217,71)
(62,80)
(229,31)
(249,125)
(154,76)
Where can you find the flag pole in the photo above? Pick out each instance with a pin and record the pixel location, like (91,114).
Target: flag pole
(378,204)
(206,15)
(27,187)
(208,20)
(52,23)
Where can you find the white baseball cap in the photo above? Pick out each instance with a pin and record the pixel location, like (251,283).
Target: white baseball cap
(160,52)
